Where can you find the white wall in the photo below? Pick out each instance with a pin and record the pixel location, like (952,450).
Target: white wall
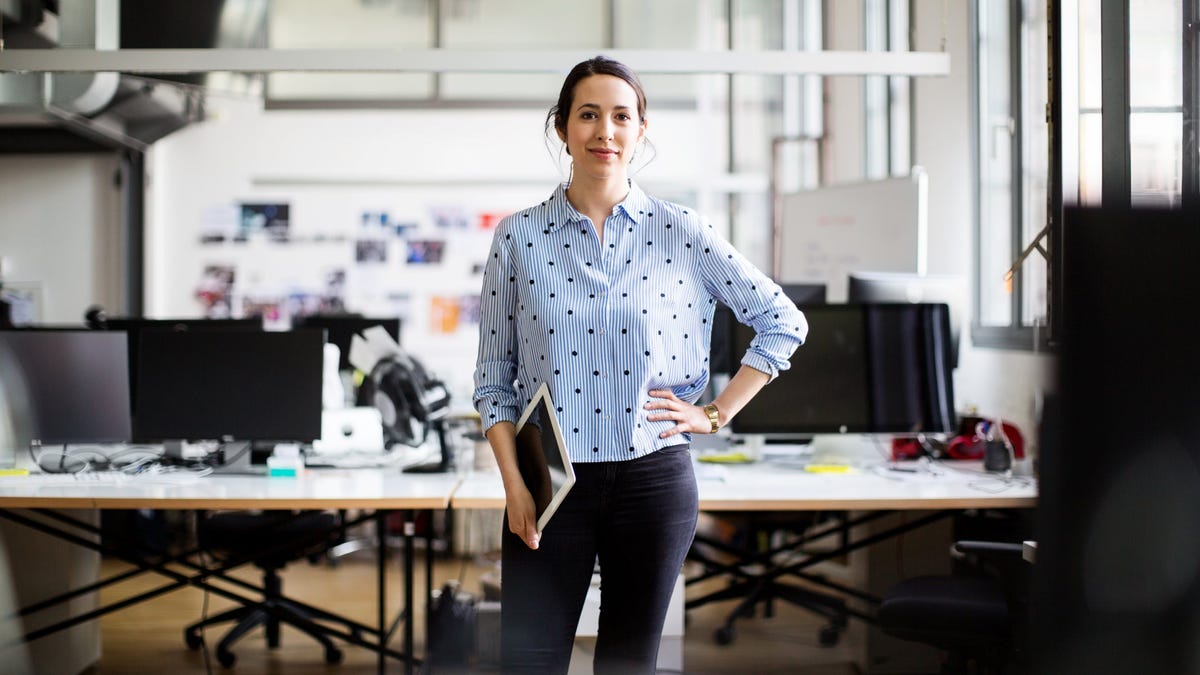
(60,226)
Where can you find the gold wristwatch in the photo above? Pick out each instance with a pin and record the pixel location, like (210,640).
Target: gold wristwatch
(714,416)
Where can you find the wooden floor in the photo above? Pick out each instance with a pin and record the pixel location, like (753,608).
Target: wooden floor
(147,639)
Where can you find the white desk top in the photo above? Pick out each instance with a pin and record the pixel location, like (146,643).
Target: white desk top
(767,487)
(326,488)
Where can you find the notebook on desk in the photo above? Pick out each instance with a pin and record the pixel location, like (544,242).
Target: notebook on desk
(542,456)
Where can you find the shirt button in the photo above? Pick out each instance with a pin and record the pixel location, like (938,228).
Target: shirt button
(606,417)
(601,331)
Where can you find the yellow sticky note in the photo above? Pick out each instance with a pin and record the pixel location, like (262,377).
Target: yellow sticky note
(827,468)
(14,472)
(726,458)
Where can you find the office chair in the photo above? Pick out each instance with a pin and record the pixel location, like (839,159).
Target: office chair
(270,540)
(751,576)
(977,618)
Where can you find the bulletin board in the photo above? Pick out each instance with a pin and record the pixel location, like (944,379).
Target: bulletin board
(825,234)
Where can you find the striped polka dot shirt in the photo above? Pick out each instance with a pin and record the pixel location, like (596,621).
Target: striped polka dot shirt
(602,323)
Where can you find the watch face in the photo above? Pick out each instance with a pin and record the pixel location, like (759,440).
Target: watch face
(713,415)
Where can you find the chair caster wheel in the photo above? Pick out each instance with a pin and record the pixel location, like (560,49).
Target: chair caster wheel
(226,658)
(828,636)
(333,655)
(723,635)
(192,640)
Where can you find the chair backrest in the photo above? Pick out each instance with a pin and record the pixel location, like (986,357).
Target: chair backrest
(270,539)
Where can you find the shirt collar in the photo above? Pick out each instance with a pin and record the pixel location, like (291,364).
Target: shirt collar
(636,206)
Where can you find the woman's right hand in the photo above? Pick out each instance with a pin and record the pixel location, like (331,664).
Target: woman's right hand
(522,517)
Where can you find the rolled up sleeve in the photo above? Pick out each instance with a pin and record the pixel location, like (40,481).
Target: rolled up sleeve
(495,396)
(757,301)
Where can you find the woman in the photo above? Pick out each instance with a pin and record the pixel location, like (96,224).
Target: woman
(607,295)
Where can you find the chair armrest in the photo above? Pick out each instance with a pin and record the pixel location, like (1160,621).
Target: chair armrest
(960,548)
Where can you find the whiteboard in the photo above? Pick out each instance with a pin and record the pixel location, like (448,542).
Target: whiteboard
(825,234)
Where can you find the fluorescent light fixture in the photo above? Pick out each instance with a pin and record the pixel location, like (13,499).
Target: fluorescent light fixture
(915,64)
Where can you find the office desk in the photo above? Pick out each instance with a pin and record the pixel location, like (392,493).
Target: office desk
(767,487)
(379,491)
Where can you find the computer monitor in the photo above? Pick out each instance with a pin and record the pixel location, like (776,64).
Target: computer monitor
(341,328)
(900,287)
(875,368)
(229,385)
(77,383)
(721,357)
(135,326)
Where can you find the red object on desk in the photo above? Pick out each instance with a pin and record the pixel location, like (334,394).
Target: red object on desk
(967,444)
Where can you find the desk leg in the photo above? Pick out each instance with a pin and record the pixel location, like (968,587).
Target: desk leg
(410,530)
(429,536)
(381,583)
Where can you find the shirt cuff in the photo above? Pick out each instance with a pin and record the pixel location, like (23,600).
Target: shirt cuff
(490,415)
(761,364)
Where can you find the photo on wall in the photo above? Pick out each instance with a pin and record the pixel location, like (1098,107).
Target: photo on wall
(370,251)
(449,217)
(425,252)
(214,291)
(270,308)
(468,309)
(488,220)
(264,220)
(452,313)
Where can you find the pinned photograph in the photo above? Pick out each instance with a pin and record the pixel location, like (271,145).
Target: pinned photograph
(425,251)
(264,220)
(370,251)
(449,217)
(214,291)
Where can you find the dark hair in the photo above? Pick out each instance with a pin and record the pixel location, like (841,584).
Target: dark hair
(599,65)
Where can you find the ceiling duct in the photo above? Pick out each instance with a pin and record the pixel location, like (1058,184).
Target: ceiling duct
(48,111)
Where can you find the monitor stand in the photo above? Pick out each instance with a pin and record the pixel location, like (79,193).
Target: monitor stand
(440,466)
(235,458)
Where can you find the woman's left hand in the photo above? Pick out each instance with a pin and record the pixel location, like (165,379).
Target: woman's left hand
(687,417)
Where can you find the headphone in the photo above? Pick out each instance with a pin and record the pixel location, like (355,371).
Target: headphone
(408,397)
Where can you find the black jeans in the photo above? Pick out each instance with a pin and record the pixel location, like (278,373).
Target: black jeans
(639,518)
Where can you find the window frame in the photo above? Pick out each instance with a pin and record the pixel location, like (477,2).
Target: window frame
(1116,177)
(1016,335)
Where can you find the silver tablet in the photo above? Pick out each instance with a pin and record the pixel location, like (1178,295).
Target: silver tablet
(542,456)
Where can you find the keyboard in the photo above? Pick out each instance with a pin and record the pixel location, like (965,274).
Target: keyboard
(81,478)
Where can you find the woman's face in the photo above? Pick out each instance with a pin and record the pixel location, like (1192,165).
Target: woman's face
(603,126)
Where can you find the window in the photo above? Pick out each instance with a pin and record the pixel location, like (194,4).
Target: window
(887,101)
(1011,139)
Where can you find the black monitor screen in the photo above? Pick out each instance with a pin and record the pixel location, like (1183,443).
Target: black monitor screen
(340,329)
(78,383)
(135,326)
(240,385)
(946,289)
(723,359)
(878,368)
